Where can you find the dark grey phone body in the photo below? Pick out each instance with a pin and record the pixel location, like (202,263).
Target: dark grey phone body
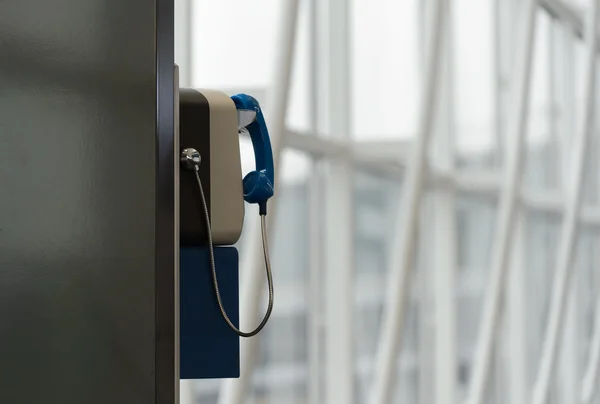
(194,128)
(208,123)
(87,166)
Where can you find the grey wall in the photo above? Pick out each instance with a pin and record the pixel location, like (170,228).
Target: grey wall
(86,202)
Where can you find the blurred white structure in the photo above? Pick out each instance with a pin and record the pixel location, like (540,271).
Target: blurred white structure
(439,200)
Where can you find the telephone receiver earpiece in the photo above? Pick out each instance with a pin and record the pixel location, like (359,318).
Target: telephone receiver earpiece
(258,184)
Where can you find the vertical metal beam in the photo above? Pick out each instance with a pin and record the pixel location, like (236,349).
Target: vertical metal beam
(314,35)
(516,320)
(592,372)
(339,228)
(425,311)
(421,299)
(591,376)
(316,290)
(507,209)
(444,269)
(498,12)
(234,391)
(315,293)
(339,272)
(503,41)
(567,382)
(444,235)
(408,218)
(569,375)
(568,236)
(339,78)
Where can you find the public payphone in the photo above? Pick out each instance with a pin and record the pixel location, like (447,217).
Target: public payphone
(211,200)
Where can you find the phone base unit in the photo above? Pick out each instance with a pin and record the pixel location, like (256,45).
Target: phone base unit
(208,346)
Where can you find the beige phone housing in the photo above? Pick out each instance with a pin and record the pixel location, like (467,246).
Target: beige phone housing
(209,123)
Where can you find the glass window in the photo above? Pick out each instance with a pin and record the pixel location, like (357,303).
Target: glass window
(541,134)
(386,69)
(475,219)
(376,208)
(474,81)
(386,72)
(280,343)
(221,57)
(542,233)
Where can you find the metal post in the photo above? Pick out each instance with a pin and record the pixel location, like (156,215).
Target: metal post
(339,258)
(564,271)
(592,374)
(315,293)
(316,322)
(445,297)
(569,376)
(402,257)
(444,237)
(338,208)
(592,370)
(516,321)
(567,382)
(234,391)
(507,209)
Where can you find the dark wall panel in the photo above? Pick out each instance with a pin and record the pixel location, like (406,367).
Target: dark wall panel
(80,193)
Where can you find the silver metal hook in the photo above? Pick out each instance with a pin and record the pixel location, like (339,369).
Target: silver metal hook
(190,158)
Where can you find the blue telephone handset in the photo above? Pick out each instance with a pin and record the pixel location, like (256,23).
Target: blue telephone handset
(258,184)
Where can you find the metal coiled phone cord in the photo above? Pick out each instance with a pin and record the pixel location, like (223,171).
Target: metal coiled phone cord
(265,243)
